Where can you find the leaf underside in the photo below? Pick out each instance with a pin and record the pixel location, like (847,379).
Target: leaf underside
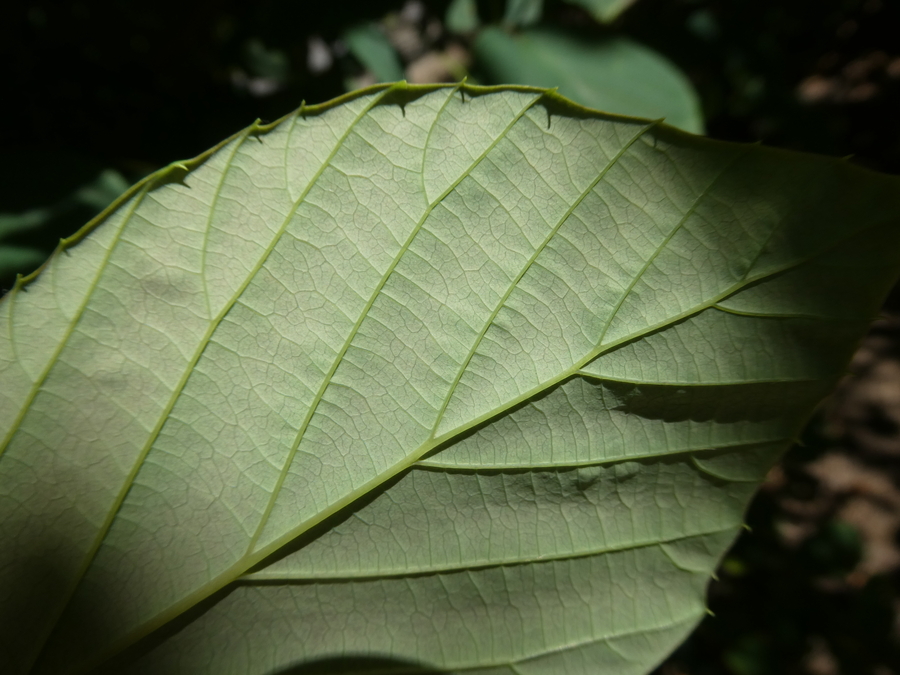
(437,378)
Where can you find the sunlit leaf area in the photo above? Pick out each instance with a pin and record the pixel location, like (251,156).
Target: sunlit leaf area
(589,372)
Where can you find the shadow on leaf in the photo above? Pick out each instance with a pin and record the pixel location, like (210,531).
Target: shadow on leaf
(359,665)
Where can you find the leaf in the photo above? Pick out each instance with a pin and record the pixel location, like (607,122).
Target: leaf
(27,238)
(462,16)
(435,378)
(616,75)
(18,260)
(605,11)
(522,12)
(374,51)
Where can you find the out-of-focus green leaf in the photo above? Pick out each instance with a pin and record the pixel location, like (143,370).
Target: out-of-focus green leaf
(703,24)
(265,62)
(374,51)
(11,223)
(616,75)
(605,11)
(100,193)
(96,195)
(462,16)
(19,260)
(522,12)
(468,377)
(27,238)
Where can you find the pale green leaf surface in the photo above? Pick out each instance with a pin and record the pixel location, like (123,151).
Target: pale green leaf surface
(472,378)
(616,74)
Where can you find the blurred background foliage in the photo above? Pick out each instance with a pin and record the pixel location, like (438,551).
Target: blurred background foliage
(101,93)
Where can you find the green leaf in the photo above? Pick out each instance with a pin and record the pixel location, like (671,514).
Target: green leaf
(26,238)
(374,51)
(462,16)
(426,378)
(522,12)
(616,75)
(19,260)
(605,11)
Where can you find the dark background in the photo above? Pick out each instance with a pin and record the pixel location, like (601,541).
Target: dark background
(128,86)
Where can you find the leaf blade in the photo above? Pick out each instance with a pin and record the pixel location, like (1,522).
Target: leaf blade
(323,311)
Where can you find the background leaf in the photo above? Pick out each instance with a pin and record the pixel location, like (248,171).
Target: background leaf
(468,378)
(27,237)
(616,75)
(462,16)
(522,12)
(19,260)
(375,52)
(605,11)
